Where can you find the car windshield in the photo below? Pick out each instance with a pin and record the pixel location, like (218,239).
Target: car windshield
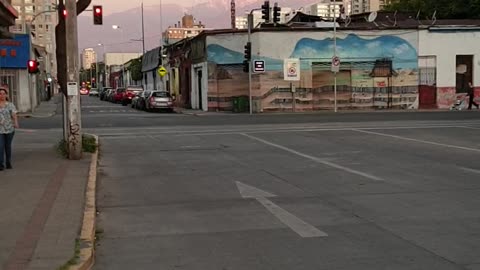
(160,94)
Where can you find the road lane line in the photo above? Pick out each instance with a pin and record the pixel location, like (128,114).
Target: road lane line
(246,131)
(316,159)
(475,128)
(470,170)
(416,140)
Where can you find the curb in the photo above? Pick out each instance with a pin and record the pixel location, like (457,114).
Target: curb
(87,234)
(48,115)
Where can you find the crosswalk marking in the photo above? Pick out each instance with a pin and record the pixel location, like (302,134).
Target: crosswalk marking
(114,111)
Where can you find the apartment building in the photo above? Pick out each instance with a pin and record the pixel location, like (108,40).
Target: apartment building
(362,6)
(241,21)
(38,18)
(7,18)
(188,27)
(328,8)
(89,56)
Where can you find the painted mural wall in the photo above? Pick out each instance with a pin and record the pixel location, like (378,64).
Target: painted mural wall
(361,83)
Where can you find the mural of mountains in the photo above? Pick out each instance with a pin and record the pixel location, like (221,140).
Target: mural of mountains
(212,13)
(404,55)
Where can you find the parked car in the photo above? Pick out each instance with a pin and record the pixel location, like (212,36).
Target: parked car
(93,92)
(84,91)
(130,93)
(138,102)
(103,93)
(159,100)
(118,95)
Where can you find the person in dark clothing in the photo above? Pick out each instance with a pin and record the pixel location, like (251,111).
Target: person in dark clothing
(471,96)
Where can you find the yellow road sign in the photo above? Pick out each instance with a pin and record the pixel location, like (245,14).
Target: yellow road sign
(162,71)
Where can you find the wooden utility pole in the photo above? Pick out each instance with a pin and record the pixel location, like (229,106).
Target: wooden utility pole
(74,125)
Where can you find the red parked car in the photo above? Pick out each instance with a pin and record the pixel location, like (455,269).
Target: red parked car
(118,95)
(130,93)
(84,91)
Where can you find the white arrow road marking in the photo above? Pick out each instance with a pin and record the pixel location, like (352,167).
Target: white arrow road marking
(297,225)
(316,159)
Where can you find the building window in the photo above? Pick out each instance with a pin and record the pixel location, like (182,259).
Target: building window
(29,9)
(427,70)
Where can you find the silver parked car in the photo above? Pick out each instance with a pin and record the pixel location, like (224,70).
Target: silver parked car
(159,100)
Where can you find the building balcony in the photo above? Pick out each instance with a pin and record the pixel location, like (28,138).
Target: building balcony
(8,14)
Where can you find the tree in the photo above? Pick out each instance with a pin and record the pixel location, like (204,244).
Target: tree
(445,9)
(61,41)
(135,69)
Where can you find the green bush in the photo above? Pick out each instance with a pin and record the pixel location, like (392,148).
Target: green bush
(89,145)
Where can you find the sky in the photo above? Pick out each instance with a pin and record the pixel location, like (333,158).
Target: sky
(113,6)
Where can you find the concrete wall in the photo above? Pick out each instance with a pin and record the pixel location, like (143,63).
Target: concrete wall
(445,46)
(120,58)
(154,81)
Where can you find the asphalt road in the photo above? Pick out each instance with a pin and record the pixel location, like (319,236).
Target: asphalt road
(99,114)
(316,191)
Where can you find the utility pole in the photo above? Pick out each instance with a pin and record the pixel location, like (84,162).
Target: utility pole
(74,122)
(335,55)
(143,32)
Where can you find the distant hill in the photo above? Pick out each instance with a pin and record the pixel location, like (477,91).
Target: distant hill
(213,14)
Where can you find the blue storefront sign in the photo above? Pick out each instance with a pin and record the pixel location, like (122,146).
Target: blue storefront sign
(15,53)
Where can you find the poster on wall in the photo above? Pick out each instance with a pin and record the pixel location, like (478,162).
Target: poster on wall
(291,69)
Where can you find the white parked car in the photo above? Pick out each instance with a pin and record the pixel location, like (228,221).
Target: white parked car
(94,92)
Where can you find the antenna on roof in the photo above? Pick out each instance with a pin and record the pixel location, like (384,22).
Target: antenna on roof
(372,17)
(395,19)
(434,17)
(418,18)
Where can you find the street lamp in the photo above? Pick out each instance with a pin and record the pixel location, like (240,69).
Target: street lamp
(117,27)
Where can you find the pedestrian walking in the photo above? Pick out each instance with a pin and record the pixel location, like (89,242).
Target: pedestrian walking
(8,123)
(471,96)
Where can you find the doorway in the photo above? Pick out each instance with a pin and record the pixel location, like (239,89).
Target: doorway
(199,89)
(464,72)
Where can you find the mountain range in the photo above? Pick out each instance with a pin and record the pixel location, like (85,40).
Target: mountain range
(212,13)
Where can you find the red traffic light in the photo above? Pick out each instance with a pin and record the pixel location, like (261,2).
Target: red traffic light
(97,15)
(33,66)
(64,13)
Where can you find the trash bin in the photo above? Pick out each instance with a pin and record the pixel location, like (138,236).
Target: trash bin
(243,103)
(235,104)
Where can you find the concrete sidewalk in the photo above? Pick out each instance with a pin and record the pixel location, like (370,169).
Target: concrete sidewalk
(46,108)
(42,200)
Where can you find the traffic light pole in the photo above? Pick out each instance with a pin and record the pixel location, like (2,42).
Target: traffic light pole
(74,123)
(250,25)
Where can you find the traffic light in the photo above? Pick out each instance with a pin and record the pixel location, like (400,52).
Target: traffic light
(276,13)
(248,57)
(248,51)
(246,66)
(33,66)
(266,11)
(97,15)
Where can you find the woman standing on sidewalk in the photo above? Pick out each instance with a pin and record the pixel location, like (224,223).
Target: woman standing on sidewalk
(8,123)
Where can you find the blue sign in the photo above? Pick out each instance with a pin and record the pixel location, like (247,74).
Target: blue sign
(15,53)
